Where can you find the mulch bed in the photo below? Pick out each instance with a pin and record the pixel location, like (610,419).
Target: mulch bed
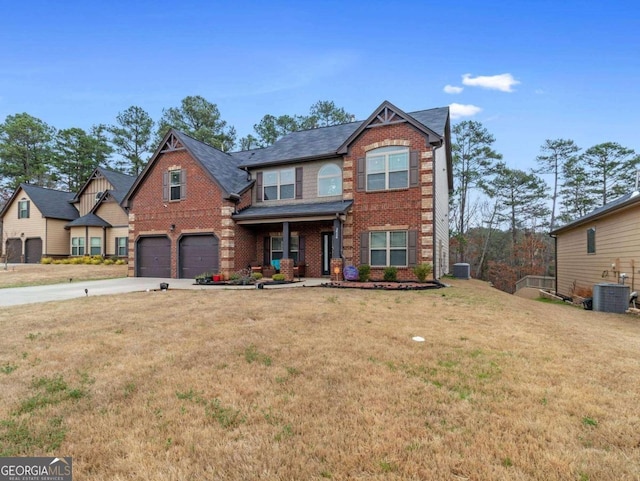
(386,285)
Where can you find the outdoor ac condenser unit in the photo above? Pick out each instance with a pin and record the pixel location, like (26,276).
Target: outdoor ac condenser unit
(461,270)
(610,297)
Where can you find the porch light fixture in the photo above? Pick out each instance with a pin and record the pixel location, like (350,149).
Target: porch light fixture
(172,228)
(22,234)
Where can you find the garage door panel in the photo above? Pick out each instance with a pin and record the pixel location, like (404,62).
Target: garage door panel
(198,254)
(153,257)
(13,250)
(33,250)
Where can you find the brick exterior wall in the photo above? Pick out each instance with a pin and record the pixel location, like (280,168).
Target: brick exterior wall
(202,211)
(402,209)
(313,242)
(205,211)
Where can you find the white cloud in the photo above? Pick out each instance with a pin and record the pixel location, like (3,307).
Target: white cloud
(461,110)
(452,89)
(539,92)
(503,82)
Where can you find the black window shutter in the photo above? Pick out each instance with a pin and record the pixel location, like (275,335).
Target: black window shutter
(412,247)
(301,249)
(165,186)
(266,251)
(259,187)
(360,174)
(414,169)
(183,184)
(298,182)
(115,251)
(364,248)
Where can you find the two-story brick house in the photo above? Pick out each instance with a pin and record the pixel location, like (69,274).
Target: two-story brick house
(370,192)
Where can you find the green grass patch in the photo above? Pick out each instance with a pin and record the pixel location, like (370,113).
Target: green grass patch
(251,355)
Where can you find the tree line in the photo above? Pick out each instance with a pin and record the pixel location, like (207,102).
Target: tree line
(34,152)
(500,216)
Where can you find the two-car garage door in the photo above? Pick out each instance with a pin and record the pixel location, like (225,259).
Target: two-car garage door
(197,254)
(153,257)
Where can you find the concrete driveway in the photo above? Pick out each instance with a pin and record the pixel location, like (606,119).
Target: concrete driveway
(56,292)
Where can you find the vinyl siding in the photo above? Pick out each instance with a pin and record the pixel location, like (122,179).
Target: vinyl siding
(113,213)
(57,242)
(617,243)
(111,238)
(32,227)
(441,222)
(88,197)
(309,182)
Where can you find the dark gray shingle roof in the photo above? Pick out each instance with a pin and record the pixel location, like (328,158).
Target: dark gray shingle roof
(294,210)
(54,204)
(121,182)
(612,206)
(89,220)
(222,166)
(325,141)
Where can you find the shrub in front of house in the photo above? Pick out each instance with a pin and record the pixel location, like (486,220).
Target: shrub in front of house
(256,276)
(46,260)
(364,272)
(422,271)
(390,274)
(278,277)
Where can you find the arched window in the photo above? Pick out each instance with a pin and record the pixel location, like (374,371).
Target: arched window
(329,180)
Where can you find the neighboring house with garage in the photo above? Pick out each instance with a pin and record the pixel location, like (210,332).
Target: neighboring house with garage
(102,225)
(34,222)
(599,247)
(371,192)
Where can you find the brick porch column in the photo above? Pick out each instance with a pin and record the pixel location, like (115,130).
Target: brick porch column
(336,265)
(286,268)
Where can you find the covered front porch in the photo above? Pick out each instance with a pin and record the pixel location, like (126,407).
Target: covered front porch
(298,240)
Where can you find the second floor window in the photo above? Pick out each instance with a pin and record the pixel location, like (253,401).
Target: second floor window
(329,180)
(279,184)
(175,179)
(23,209)
(174,185)
(388,168)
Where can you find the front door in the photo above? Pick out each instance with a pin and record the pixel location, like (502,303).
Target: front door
(327,253)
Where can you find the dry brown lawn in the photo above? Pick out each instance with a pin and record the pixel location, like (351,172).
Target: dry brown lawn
(40,274)
(313,383)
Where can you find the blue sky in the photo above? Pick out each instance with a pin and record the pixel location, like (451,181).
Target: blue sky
(533,70)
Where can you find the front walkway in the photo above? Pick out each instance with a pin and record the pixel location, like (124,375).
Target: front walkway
(57,292)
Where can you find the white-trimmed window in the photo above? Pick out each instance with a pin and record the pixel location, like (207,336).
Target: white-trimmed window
(388,168)
(96,246)
(388,248)
(277,246)
(279,184)
(121,246)
(329,180)
(77,246)
(23,209)
(175,184)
